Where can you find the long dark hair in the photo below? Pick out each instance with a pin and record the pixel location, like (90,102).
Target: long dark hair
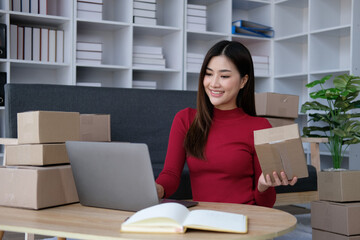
(197,134)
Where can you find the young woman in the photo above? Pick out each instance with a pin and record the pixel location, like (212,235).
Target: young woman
(216,139)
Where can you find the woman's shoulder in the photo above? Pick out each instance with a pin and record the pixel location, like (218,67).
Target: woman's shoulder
(186,112)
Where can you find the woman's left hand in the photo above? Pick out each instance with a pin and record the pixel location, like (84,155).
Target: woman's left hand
(265,182)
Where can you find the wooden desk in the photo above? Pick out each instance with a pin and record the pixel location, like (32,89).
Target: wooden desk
(76,221)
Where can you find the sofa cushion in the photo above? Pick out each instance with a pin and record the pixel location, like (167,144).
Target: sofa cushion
(303,184)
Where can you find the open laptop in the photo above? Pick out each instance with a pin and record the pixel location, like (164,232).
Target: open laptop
(113,175)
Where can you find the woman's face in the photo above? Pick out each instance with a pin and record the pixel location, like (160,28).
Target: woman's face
(222,82)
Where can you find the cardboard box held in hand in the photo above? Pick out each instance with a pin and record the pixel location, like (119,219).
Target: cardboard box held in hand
(280,149)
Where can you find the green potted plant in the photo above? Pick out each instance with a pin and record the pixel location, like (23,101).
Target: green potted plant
(335,118)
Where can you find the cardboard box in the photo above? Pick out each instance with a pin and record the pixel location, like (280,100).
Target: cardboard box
(95,127)
(276,105)
(341,218)
(339,186)
(280,149)
(37,187)
(323,235)
(36,154)
(278,122)
(48,127)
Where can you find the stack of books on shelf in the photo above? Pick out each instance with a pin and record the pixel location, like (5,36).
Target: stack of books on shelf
(148,57)
(194,62)
(145,12)
(144,84)
(261,65)
(30,6)
(249,28)
(196,17)
(36,44)
(88,52)
(90,9)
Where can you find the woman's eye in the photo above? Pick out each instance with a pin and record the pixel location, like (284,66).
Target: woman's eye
(225,76)
(208,74)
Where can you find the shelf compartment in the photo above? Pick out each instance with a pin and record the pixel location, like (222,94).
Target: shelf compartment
(118,11)
(217,17)
(115,39)
(170,13)
(291,18)
(164,80)
(330,13)
(256,11)
(291,56)
(40,73)
(106,77)
(168,38)
(330,50)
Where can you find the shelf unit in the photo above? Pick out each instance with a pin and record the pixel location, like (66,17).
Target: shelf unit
(308,44)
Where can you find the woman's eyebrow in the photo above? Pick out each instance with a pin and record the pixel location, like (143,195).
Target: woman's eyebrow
(222,70)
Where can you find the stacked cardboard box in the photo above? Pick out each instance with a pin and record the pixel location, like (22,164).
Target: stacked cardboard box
(279,109)
(145,12)
(196,18)
(33,177)
(90,9)
(337,213)
(37,172)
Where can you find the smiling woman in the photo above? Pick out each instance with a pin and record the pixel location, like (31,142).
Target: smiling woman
(216,139)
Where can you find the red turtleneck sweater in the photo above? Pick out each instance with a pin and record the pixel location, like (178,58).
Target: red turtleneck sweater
(231,170)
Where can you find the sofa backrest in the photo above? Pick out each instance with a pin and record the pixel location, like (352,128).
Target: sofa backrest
(137,115)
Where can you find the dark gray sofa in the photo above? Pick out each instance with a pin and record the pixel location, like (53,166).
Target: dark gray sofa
(137,115)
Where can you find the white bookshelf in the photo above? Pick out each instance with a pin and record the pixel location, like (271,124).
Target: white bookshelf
(312,38)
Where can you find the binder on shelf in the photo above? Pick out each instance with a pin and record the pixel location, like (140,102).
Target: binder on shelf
(148,1)
(44,50)
(148,55)
(25,6)
(250,24)
(43,7)
(20,41)
(34,6)
(16,5)
(250,28)
(196,19)
(88,61)
(196,6)
(28,43)
(36,44)
(60,46)
(2,91)
(52,45)
(92,1)
(13,41)
(196,12)
(2,40)
(251,32)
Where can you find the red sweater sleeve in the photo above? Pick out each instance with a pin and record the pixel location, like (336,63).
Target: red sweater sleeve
(170,176)
(268,197)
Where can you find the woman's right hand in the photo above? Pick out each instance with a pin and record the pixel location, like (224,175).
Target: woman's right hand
(160,191)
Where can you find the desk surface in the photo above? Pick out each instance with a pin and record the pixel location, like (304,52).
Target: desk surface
(76,221)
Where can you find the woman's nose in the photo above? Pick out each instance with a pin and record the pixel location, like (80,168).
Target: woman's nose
(215,81)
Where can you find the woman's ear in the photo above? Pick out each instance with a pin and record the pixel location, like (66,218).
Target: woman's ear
(244,81)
